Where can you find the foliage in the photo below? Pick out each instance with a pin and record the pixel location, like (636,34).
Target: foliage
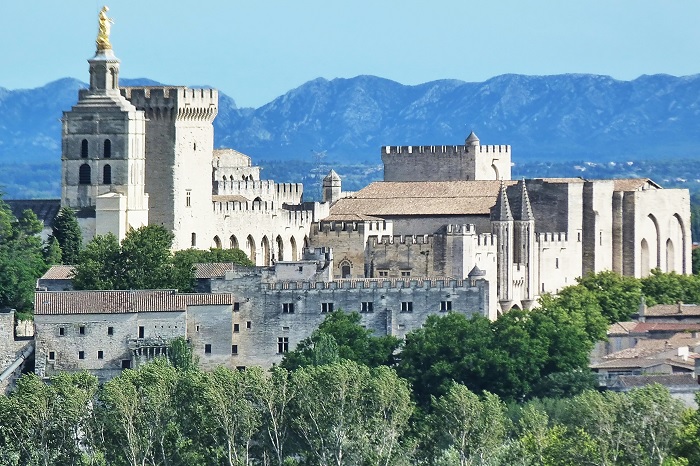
(67,232)
(180,355)
(617,295)
(341,335)
(669,288)
(184,261)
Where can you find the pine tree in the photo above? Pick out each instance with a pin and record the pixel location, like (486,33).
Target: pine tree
(67,232)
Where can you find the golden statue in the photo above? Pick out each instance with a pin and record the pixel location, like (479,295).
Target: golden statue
(105,24)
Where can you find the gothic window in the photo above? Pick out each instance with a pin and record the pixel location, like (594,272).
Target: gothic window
(107,174)
(84,176)
(84,149)
(217,242)
(108,149)
(233,242)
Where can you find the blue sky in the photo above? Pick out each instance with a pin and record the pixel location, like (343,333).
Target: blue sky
(256,50)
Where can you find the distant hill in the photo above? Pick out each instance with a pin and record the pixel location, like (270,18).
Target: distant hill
(563,118)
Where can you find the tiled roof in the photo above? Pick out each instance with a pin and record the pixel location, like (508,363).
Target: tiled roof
(621,328)
(229,198)
(212,269)
(59,272)
(351,218)
(679,309)
(634,184)
(627,363)
(643,327)
(121,302)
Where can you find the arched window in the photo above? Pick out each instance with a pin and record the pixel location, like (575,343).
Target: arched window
(233,242)
(293,242)
(250,246)
(84,149)
(107,174)
(265,250)
(84,176)
(108,148)
(280,249)
(217,242)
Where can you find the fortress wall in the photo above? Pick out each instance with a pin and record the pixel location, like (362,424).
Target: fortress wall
(264,310)
(347,239)
(290,193)
(550,204)
(430,224)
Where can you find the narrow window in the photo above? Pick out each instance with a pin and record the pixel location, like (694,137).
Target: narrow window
(207,348)
(282,344)
(81,354)
(142,332)
(198,328)
(236,328)
(236,307)
(84,149)
(100,355)
(383,273)
(367,306)
(52,356)
(556,263)
(126,363)
(600,236)
(188,198)
(445,306)
(110,331)
(108,148)
(82,330)
(194,240)
(326,307)
(345,271)
(288,308)
(84,175)
(407,306)
(107,174)
(61,331)
(247,324)
(234,349)
(406,274)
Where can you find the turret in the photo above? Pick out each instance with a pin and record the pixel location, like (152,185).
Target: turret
(332,187)
(502,227)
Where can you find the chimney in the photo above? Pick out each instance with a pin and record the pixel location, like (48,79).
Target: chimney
(642,309)
(680,307)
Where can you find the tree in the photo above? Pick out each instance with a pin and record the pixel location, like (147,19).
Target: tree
(98,265)
(185,259)
(67,232)
(669,288)
(52,252)
(617,295)
(349,340)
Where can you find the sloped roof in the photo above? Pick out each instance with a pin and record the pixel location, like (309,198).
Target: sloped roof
(634,184)
(212,269)
(668,380)
(122,302)
(45,209)
(621,328)
(58,272)
(229,198)
(679,309)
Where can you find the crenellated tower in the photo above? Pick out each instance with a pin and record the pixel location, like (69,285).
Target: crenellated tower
(179,147)
(103,151)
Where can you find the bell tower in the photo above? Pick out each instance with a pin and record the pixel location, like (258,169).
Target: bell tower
(103,150)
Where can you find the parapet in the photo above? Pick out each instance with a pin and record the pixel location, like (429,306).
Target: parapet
(464,229)
(400,239)
(372,283)
(455,151)
(552,239)
(167,102)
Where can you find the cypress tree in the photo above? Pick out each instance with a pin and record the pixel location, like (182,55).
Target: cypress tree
(67,232)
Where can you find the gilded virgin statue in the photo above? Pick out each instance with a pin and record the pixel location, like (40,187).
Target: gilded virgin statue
(105,25)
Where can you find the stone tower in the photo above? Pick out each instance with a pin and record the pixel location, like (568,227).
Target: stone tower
(524,243)
(502,227)
(332,187)
(103,152)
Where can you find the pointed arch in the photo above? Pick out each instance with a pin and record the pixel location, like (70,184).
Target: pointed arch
(644,253)
(280,248)
(293,244)
(250,249)
(265,245)
(84,152)
(682,241)
(217,242)
(670,256)
(233,242)
(107,149)
(107,174)
(495,171)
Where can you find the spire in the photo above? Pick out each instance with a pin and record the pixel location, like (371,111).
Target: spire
(501,211)
(472,140)
(525,207)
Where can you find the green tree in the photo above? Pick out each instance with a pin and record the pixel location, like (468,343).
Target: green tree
(185,260)
(52,252)
(98,265)
(696,261)
(617,295)
(669,288)
(67,232)
(349,341)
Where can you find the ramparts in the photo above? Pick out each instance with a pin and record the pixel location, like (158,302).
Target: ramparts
(449,151)
(371,283)
(179,103)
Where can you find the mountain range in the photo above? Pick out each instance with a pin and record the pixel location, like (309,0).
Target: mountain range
(544,118)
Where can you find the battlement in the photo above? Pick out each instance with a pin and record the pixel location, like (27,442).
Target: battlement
(371,283)
(400,239)
(326,227)
(259,208)
(451,151)
(464,229)
(170,102)
(262,188)
(551,239)
(487,240)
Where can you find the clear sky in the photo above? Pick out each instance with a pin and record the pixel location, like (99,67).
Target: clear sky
(256,50)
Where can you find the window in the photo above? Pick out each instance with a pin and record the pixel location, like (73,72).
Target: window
(326,307)
(236,307)
(600,238)
(345,271)
(52,356)
(61,331)
(108,148)
(236,328)
(110,331)
(234,349)
(288,308)
(81,330)
(198,328)
(84,175)
(100,355)
(283,344)
(126,363)
(81,354)
(188,198)
(84,149)
(445,306)
(367,306)
(247,324)
(142,332)
(406,273)
(383,273)
(556,263)
(207,348)
(240,368)
(407,306)
(107,174)
(194,240)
